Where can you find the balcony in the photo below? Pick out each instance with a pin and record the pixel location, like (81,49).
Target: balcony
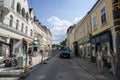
(4,6)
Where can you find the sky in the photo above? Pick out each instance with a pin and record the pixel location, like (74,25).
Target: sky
(58,15)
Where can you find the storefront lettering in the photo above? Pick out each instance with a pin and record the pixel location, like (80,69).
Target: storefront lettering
(105,37)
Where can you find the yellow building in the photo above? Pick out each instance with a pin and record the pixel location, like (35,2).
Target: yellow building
(102,22)
(82,36)
(99,28)
(70,37)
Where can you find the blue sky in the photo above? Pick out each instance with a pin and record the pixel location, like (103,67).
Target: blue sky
(58,15)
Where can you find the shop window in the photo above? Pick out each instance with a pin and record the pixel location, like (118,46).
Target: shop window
(103,16)
(94,22)
(105,48)
(18,8)
(11,21)
(17,24)
(2,49)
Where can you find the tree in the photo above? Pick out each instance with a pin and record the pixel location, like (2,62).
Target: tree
(63,42)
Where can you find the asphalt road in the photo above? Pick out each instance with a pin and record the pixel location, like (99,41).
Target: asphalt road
(60,69)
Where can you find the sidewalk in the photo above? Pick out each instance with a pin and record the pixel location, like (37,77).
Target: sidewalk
(91,68)
(9,71)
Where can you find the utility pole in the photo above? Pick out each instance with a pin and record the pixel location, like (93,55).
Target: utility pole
(116,18)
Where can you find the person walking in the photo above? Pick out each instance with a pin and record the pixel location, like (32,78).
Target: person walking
(112,62)
(100,60)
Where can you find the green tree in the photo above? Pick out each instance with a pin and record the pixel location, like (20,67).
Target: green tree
(63,43)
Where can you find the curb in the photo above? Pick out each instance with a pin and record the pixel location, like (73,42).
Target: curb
(27,73)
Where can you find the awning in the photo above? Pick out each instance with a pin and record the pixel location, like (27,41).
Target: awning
(18,44)
(27,40)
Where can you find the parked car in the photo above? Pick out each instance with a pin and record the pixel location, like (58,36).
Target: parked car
(64,52)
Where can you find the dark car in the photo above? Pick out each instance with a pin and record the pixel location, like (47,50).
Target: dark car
(65,52)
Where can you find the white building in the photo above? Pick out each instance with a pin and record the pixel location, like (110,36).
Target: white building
(20,30)
(42,41)
(16,27)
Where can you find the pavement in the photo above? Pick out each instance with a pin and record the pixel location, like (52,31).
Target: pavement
(61,69)
(91,68)
(10,73)
(86,64)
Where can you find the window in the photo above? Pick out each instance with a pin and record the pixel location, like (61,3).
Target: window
(31,32)
(1,16)
(103,15)
(27,16)
(11,21)
(18,7)
(22,27)
(23,12)
(17,24)
(26,29)
(88,30)
(12,4)
(94,23)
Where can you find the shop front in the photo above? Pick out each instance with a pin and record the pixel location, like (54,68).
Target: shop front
(85,47)
(103,40)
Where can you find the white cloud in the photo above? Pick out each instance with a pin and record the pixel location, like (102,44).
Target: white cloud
(77,20)
(59,28)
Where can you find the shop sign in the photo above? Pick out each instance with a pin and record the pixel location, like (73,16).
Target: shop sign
(98,39)
(105,37)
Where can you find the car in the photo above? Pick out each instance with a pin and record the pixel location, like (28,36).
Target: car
(64,52)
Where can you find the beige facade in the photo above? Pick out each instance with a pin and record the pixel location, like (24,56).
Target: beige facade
(96,12)
(70,37)
(82,35)
(95,29)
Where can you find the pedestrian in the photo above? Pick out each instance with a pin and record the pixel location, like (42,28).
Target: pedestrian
(30,56)
(29,51)
(100,60)
(112,61)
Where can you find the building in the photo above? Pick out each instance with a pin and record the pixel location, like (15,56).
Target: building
(42,42)
(19,31)
(102,22)
(83,30)
(70,37)
(15,27)
(95,30)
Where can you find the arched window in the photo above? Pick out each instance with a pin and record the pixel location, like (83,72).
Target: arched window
(17,24)
(26,29)
(23,12)
(27,16)
(22,27)
(31,33)
(11,21)
(18,7)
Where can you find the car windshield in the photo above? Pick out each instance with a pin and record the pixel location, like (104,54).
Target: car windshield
(65,48)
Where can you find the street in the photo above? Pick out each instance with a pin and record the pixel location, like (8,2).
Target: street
(64,69)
